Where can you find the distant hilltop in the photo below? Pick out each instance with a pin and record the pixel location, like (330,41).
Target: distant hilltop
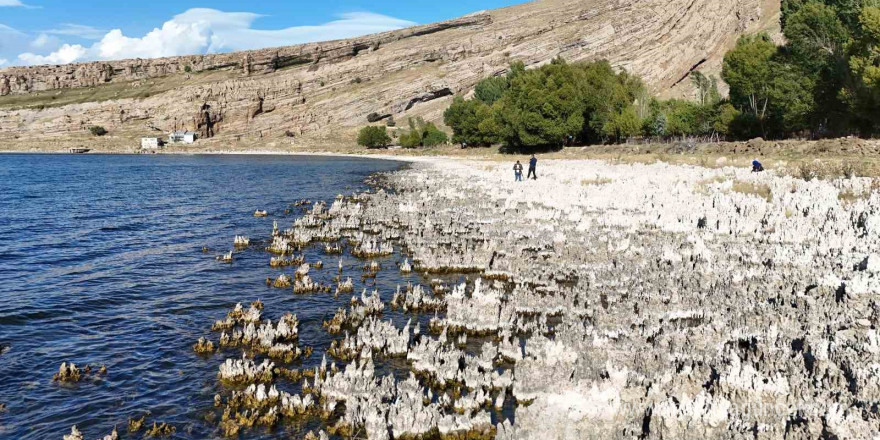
(326,90)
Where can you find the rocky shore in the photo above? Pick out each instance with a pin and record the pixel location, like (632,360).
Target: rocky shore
(600,301)
(652,301)
(629,301)
(658,301)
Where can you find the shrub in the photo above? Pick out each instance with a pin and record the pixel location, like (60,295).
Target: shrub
(188,69)
(422,134)
(410,139)
(372,136)
(97,130)
(433,136)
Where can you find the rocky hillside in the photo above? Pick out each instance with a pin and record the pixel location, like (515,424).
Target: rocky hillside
(321,92)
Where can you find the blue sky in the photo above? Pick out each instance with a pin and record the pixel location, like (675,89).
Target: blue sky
(62,31)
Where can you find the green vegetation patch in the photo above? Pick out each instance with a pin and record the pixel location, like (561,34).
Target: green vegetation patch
(373,136)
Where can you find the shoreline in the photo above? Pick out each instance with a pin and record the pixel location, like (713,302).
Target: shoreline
(827,158)
(389,157)
(583,303)
(615,292)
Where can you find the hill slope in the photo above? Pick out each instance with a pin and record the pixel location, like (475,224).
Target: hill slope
(321,92)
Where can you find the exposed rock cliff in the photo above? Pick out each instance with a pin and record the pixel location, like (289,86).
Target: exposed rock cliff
(312,90)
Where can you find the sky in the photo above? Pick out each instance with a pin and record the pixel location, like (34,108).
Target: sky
(65,31)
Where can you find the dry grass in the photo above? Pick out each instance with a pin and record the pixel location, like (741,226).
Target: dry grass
(749,188)
(738,186)
(849,196)
(702,187)
(813,169)
(598,181)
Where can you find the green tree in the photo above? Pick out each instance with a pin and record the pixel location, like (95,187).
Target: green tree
(788,8)
(748,69)
(491,89)
(707,88)
(654,125)
(850,11)
(816,34)
(372,136)
(683,118)
(542,108)
(863,96)
(724,119)
(623,125)
(792,100)
(467,118)
(607,93)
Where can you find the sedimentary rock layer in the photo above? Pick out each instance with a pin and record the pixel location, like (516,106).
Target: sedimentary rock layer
(310,91)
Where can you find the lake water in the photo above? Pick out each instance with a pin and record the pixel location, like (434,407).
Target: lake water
(101,262)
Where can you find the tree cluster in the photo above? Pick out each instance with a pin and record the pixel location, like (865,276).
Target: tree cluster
(560,104)
(824,81)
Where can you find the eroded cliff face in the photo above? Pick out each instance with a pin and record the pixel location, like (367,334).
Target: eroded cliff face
(322,89)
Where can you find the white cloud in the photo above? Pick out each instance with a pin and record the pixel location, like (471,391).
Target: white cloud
(199,30)
(45,42)
(66,54)
(77,30)
(15,3)
(3,61)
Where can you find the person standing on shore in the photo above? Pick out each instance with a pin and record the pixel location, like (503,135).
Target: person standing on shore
(533,164)
(517,171)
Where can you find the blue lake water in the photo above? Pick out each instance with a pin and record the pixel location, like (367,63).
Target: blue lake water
(101,262)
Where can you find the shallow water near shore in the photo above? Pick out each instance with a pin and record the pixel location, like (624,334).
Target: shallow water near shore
(101,262)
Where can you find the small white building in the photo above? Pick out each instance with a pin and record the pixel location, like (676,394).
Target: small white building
(186,137)
(150,143)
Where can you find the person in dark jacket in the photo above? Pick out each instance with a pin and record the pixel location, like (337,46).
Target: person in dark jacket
(517,171)
(533,163)
(756,166)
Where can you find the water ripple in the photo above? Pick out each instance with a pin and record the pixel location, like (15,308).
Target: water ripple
(101,263)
